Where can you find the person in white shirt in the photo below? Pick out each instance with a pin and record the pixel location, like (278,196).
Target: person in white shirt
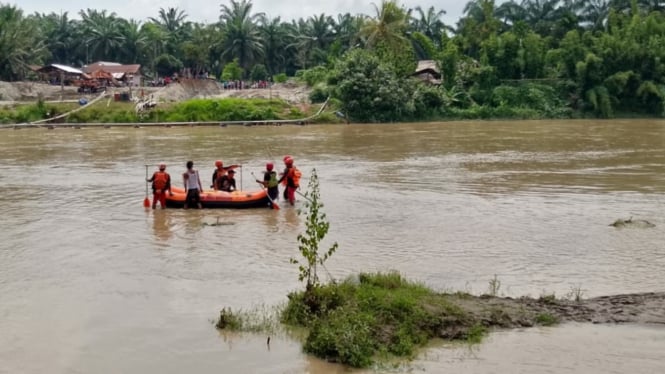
(192,184)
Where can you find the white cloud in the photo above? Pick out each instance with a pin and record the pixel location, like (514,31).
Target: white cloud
(208,11)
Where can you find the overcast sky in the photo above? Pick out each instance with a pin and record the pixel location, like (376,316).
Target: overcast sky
(208,11)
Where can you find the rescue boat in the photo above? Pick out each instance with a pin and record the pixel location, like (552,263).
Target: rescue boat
(221,199)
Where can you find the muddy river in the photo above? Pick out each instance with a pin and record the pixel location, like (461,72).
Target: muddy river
(91,282)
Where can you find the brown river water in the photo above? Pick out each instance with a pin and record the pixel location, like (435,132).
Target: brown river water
(91,282)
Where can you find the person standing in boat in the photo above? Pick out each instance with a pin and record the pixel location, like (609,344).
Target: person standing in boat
(161,183)
(291,178)
(270,182)
(193,186)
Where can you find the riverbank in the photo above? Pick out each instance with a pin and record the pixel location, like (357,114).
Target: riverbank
(213,111)
(385,315)
(189,102)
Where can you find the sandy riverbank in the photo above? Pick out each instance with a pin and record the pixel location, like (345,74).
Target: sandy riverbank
(18,92)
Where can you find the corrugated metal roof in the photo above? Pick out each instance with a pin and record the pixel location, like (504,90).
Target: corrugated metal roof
(66,68)
(129,69)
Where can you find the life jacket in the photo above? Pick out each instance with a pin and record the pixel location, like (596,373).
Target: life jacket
(217,178)
(294,175)
(160,180)
(273,182)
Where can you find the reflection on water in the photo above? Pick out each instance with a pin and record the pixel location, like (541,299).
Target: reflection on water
(93,282)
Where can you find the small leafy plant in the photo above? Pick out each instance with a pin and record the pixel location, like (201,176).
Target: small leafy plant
(309,242)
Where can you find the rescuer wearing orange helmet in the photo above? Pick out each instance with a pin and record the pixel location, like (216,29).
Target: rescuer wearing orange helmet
(291,179)
(161,182)
(219,173)
(270,182)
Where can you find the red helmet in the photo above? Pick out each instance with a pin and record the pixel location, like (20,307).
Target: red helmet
(269,166)
(288,161)
(162,166)
(219,163)
(285,157)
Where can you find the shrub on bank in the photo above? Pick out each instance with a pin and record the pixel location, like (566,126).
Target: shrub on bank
(355,320)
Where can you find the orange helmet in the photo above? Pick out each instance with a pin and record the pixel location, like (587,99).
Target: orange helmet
(219,163)
(162,166)
(269,166)
(288,161)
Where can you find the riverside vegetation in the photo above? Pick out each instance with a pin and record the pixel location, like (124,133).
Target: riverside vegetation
(510,59)
(375,317)
(227,109)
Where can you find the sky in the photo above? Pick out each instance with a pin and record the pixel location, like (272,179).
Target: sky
(208,11)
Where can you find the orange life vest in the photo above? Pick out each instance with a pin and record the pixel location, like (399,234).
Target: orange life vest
(294,174)
(160,180)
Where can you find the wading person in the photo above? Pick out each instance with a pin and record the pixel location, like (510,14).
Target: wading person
(290,178)
(271,182)
(192,184)
(161,183)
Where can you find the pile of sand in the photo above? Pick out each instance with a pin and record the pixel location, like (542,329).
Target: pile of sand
(190,89)
(187,89)
(8,92)
(29,91)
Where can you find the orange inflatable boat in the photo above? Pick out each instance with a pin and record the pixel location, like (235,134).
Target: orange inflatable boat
(221,199)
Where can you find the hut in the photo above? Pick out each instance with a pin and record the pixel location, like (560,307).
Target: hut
(59,74)
(428,72)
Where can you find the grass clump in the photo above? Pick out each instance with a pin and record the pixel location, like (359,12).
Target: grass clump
(258,319)
(353,321)
(546,319)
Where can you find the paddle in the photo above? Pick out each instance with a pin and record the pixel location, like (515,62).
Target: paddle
(146,201)
(272,202)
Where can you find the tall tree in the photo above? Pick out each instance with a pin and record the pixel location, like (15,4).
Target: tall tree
(103,34)
(135,42)
(20,43)
(388,25)
(276,37)
(429,23)
(60,36)
(243,39)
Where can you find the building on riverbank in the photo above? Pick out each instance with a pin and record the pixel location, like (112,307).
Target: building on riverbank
(129,75)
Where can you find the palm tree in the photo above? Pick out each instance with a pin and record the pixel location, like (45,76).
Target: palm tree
(135,41)
(170,19)
(541,15)
(276,36)
(594,13)
(60,34)
(20,43)
(243,39)
(477,25)
(104,35)
(388,26)
(347,29)
(429,23)
(173,22)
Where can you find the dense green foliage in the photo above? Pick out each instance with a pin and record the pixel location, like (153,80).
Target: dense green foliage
(527,59)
